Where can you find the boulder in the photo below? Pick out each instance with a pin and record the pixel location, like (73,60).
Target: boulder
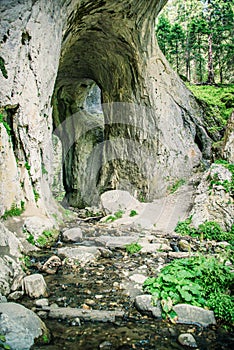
(51,266)
(35,286)
(73,235)
(144,304)
(81,254)
(115,200)
(21,327)
(193,314)
(187,339)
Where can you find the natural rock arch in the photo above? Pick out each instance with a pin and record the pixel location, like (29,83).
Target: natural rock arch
(150,118)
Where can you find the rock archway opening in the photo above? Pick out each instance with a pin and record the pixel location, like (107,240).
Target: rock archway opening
(115,105)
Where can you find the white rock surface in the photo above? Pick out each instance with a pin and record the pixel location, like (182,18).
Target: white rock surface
(20,326)
(35,286)
(73,235)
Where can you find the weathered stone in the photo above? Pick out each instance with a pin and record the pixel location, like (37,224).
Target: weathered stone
(81,254)
(73,235)
(35,286)
(187,339)
(194,314)
(21,326)
(42,302)
(214,204)
(113,201)
(86,315)
(184,246)
(138,278)
(51,265)
(116,242)
(144,304)
(36,225)
(16,295)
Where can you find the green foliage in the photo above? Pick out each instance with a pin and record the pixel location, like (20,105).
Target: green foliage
(46,238)
(208,230)
(133,248)
(27,166)
(3,344)
(117,215)
(31,239)
(3,68)
(173,188)
(141,197)
(133,213)
(219,102)
(25,262)
(36,195)
(5,124)
(14,211)
(196,38)
(198,281)
(43,170)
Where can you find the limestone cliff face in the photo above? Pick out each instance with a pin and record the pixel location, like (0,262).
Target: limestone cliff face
(148,130)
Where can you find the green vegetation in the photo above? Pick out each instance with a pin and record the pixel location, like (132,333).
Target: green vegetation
(5,124)
(44,240)
(14,211)
(141,197)
(27,166)
(133,248)
(133,213)
(3,344)
(217,103)
(173,188)
(196,38)
(36,195)
(208,230)
(3,68)
(117,215)
(25,262)
(199,281)
(227,185)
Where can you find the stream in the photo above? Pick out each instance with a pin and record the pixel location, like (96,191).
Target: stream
(105,284)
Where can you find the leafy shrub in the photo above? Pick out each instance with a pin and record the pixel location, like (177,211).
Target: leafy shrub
(14,211)
(208,230)
(117,215)
(3,344)
(198,281)
(133,213)
(133,248)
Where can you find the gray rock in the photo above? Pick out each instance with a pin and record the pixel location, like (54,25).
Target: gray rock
(187,339)
(213,205)
(194,314)
(42,302)
(81,254)
(51,265)
(115,200)
(117,242)
(37,224)
(73,235)
(20,326)
(154,247)
(35,286)
(228,147)
(144,304)
(138,278)
(16,295)
(3,299)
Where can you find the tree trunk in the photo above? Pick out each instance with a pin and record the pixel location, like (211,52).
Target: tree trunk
(210,79)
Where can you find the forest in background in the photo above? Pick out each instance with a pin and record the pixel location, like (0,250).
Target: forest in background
(196,36)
